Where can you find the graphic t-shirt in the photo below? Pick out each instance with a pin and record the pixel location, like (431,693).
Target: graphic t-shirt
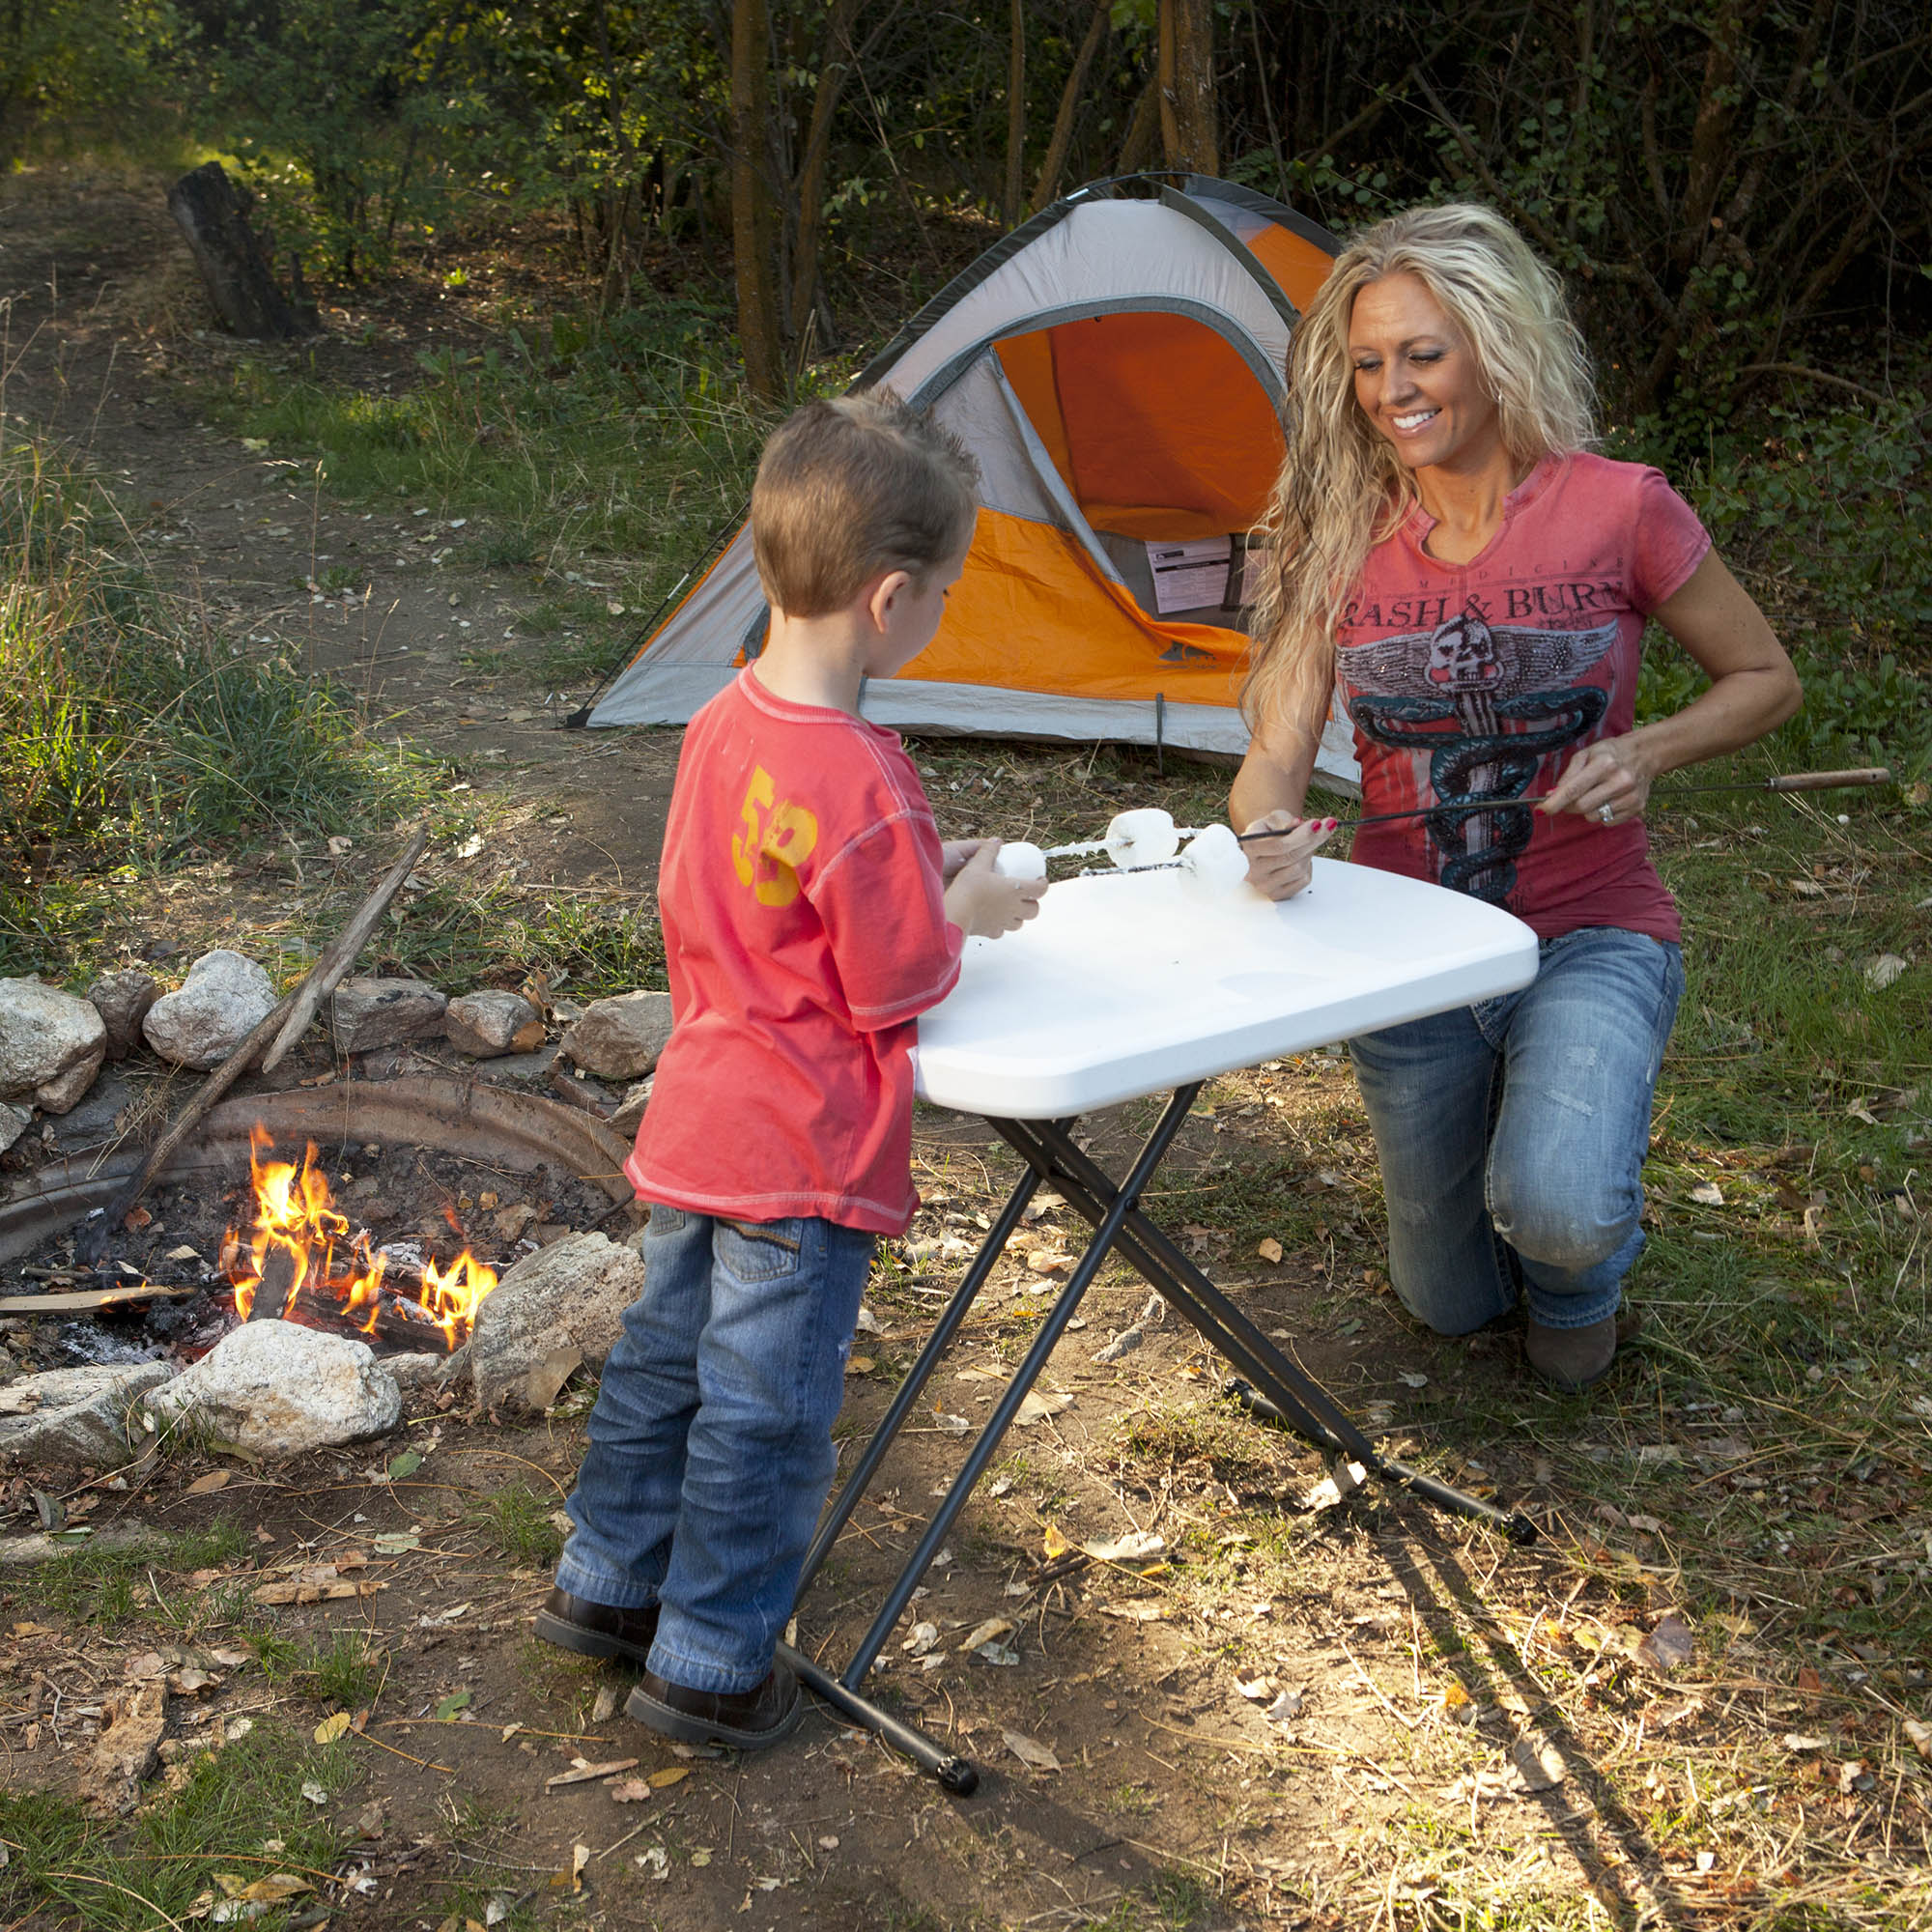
(1475,682)
(805,928)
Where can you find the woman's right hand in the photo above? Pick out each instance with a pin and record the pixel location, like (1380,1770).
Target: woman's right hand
(1280,868)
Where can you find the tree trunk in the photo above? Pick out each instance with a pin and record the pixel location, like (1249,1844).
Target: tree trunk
(1187,70)
(1143,130)
(752,201)
(835,68)
(214,215)
(1062,139)
(1011,202)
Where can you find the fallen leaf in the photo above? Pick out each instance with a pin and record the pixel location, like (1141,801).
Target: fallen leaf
(1270,1250)
(949,1425)
(582,1771)
(1884,971)
(1346,1478)
(1709,1193)
(629,1790)
(1286,1708)
(1919,1735)
(672,1774)
(1256,1690)
(998,1653)
(145,1663)
(316,1794)
(405,1465)
(206,1486)
(989,1632)
(1414,1382)
(1797,1741)
(448,1707)
(1137,1610)
(1054,1544)
(1049,1260)
(572,1880)
(331,1727)
(544,1382)
(184,1253)
(606,1706)
(273,1889)
(1537,1766)
(1668,1647)
(1028,1752)
(371,1821)
(1038,1408)
(396,1542)
(1138,1546)
(860,1365)
(922,1639)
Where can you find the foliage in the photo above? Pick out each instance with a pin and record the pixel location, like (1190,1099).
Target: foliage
(155,1870)
(68,63)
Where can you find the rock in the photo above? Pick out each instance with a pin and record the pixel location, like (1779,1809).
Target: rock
(629,1114)
(620,1038)
(13,1122)
(45,1036)
(280,1389)
(60,1096)
(417,1371)
(122,1000)
(571,1294)
(367,1014)
(74,1416)
(223,999)
(98,1112)
(489,1024)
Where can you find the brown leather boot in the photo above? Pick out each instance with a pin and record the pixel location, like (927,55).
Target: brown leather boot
(749,1720)
(1571,1359)
(598,1630)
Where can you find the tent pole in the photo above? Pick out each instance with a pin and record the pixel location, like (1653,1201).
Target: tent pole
(1160,733)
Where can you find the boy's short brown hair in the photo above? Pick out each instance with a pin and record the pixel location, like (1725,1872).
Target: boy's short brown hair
(851,487)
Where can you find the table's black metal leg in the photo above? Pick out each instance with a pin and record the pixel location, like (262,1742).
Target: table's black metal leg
(916,1378)
(1008,1406)
(958,1775)
(1283,1391)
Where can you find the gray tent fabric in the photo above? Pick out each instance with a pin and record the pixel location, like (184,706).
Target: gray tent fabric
(1184,253)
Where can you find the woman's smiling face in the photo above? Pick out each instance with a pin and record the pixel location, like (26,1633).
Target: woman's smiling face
(1416,378)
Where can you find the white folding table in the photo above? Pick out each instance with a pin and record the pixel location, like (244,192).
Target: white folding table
(1129,985)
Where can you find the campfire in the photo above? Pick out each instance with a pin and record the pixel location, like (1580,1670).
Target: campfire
(302,1263)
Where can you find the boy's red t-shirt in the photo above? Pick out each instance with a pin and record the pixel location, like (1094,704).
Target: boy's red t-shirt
(805,929)
(1481,681)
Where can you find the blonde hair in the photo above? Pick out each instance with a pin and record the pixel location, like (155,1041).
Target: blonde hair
(852,488)
(1342,489)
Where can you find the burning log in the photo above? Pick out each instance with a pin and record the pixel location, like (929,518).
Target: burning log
(283,1025)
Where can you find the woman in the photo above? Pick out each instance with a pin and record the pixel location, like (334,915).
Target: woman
(1473,584)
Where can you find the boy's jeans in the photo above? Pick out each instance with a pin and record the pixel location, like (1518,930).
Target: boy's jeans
(711,1442)
(1512,1135)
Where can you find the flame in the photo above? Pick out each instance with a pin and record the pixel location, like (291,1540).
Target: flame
(296,1218)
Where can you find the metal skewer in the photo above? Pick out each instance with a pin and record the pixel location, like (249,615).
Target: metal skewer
(1870,775)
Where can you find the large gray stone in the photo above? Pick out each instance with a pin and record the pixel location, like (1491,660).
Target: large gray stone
(66,1417)
(13,1122)
(45,1036)
(368,1013)
(61,1095)
(571,1294)
(620,1038)
(223,999)
(280,1389)
(489,1024)
(122,1000)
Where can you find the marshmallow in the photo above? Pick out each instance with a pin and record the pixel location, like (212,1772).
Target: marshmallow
(1018,860)
(1215,857)
(1144,837)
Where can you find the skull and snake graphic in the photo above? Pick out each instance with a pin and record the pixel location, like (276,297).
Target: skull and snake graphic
(1504,698)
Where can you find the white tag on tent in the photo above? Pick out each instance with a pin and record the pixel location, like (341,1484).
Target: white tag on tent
(1188,576)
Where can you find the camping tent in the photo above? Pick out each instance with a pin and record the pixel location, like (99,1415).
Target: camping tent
(1114,364)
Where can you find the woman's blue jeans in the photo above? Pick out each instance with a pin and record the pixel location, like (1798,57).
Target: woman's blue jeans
(711,1442)
(1512,1135)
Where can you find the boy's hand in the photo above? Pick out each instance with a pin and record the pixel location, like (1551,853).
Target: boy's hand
(980,902)
(954,853)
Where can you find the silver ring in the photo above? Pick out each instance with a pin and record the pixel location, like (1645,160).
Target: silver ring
(1607,814)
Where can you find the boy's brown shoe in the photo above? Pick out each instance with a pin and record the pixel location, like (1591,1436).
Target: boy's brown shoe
(598,1630)
(749,1720)
(1572,1359)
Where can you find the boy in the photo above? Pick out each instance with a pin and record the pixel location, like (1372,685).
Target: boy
(809,914)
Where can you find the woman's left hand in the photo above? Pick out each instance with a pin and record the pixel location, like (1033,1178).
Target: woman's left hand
(1607,782)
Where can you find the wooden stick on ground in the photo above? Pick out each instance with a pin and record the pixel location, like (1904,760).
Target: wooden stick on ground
(277,1033)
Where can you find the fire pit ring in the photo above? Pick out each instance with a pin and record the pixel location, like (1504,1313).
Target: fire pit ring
(466,1117)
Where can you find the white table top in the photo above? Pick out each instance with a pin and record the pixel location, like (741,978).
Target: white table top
(1125,986)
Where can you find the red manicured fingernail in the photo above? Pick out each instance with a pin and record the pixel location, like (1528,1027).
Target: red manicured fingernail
(1332,823)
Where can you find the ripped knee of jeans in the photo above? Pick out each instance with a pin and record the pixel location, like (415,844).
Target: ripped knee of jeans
(1567,1235)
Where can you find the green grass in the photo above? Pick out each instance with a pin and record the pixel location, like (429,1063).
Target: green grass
(106,1588)
(137,1875)
(131,731)
(516,1523)
(341,1671)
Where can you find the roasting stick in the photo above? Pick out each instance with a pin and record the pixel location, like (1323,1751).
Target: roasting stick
(283,1025)
(1869,775)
